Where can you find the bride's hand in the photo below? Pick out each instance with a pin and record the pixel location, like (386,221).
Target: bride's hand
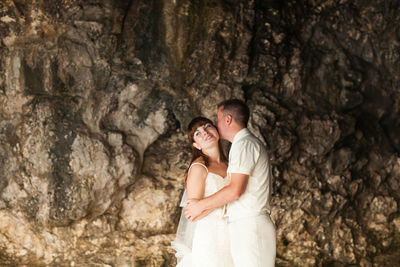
(193,209)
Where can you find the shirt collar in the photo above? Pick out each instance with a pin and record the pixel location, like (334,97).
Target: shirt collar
(239,135)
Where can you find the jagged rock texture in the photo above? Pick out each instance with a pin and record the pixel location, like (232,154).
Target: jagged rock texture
(95,97)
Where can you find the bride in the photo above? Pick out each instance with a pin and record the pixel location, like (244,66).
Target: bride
(206,241)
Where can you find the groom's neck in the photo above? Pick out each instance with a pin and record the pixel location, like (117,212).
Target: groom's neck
(234,132)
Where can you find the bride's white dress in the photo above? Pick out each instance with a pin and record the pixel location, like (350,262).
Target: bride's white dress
(204,243)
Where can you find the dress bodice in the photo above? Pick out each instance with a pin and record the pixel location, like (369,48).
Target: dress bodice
(214,182)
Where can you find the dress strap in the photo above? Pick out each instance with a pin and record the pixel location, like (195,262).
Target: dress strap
(198,163)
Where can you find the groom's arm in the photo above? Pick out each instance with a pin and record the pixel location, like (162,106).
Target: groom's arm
(224,196)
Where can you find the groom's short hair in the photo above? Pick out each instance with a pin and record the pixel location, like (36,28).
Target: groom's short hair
(237,109)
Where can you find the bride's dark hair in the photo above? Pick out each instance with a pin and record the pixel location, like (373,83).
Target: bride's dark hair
(196,153)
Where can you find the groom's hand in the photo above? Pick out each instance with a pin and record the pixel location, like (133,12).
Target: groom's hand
(193,209)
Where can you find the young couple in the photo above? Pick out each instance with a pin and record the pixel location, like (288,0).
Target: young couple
(226,220)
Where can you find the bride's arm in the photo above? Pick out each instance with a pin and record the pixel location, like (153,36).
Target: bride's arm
(196,182)
(204,214)
(195,186)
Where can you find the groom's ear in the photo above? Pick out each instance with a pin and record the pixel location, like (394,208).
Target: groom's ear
(228,119)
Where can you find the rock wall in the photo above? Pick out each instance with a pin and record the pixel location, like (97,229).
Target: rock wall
(95,97)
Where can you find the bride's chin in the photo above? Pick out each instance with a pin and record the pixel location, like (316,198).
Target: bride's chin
(214,142)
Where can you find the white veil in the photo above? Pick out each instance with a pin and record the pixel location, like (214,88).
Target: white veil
(184,236)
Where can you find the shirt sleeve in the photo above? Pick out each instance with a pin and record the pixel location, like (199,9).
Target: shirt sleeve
(243,157)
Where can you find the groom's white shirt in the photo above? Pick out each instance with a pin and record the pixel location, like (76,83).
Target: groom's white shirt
(249,156)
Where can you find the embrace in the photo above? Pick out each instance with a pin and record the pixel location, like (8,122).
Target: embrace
(226,219)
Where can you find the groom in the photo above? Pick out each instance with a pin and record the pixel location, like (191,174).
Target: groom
(252,233)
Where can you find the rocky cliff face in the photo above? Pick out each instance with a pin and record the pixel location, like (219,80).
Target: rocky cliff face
(95,96)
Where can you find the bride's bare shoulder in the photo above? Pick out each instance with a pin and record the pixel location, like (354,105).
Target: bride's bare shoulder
(198,168)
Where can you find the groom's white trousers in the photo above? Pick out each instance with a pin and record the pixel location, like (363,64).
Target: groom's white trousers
(253,241)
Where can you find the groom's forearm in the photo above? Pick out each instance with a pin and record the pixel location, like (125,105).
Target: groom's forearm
(220,198)
(229,193)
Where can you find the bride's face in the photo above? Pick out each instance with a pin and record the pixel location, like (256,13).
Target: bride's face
(205,136)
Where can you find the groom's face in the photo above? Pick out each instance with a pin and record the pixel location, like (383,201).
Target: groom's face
(221,123)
